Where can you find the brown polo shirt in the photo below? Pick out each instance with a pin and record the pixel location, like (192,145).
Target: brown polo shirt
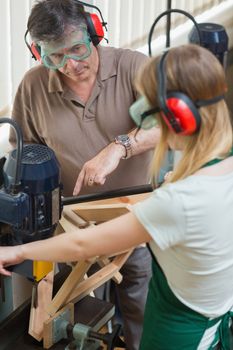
(50,113)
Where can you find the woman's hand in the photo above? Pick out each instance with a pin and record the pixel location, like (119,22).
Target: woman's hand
(9,256)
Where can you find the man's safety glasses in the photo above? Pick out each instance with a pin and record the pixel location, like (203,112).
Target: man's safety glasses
(80,50)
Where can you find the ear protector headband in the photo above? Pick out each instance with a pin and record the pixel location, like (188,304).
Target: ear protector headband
(94,28)
(179,111)
(33,48)
(94,24)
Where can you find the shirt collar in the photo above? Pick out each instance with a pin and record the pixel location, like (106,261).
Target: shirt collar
(55,82)
(107,68)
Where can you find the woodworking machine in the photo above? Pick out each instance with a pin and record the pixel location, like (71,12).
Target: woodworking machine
(30,208)
(30,199)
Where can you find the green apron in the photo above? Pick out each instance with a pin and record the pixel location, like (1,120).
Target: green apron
(170,325)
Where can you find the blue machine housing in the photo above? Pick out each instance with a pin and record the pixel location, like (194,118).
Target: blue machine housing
(13,209)
(34,211)
(214,38)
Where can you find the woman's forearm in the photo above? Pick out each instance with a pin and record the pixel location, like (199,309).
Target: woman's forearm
(108,238)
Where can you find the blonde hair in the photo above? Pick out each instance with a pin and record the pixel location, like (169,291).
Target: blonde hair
(196,72)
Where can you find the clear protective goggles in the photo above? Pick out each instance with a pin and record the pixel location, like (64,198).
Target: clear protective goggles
(142,114)
(75,46)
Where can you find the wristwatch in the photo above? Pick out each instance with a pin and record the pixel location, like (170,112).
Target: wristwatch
(124,140)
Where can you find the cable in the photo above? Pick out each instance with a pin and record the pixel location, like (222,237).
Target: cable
(168,26)
(165,13)
(19,150)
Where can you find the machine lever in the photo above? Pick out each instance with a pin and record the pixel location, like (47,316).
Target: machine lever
(112,340)
(120,192)
(2,288)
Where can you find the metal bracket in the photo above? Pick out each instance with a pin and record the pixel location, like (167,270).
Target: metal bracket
(82,340)
(59,325)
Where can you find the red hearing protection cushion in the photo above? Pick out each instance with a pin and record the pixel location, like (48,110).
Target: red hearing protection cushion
(186,114)
(35,50)
(184,111)
(178,110)
(94,27)
(98,26)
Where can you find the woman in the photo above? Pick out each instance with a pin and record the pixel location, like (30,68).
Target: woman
(187,222)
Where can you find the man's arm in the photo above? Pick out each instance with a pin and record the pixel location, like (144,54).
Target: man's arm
(95,171)
(144,140)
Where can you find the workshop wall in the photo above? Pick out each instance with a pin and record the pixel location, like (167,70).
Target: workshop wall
(124,30)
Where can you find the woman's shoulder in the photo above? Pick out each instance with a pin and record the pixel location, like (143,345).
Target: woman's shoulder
(182,192)
(200,190)
(188,184)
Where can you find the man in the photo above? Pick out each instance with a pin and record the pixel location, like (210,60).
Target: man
(77,103)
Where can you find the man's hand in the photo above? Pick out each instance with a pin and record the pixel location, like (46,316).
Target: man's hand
(95,171)
(9,256)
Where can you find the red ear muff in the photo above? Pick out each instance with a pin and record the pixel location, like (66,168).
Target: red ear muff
(94,24)
(178,110)
(184,111)
(35,50)
(94,27)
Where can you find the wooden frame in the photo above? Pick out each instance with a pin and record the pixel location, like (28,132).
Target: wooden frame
(76,286)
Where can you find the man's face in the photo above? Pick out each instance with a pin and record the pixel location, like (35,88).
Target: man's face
(71,55)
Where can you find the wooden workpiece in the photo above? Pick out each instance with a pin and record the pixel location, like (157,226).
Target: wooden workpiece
(77,285)
(42,296)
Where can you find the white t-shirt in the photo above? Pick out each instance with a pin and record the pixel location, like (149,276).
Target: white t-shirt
(191,224)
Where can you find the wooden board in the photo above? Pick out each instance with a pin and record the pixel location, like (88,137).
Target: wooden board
(68,286)
(42,295)
(105,209)
(99,278)
(101,212)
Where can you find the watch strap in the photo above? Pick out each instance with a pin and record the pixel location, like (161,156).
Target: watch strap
(125,141)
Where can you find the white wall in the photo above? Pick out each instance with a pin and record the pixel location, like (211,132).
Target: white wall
(129,22)
(15,59)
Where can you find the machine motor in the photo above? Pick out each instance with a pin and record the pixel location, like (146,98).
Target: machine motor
(32,210)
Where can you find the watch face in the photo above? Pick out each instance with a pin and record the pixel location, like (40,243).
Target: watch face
(125,141)
(123,138)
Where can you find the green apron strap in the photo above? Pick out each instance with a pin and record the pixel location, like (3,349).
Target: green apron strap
(223,333)
(217,160)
